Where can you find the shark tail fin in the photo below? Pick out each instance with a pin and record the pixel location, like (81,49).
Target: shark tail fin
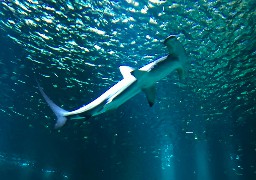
(58,111)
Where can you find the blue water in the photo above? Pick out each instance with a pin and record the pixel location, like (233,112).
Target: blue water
(200,128)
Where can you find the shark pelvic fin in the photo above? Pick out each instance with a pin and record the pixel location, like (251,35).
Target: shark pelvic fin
(150,93)
(126,71)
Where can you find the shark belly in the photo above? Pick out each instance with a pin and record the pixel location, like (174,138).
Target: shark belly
(104,102)
(122,97)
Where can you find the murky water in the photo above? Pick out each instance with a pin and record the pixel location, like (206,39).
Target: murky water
(203,124)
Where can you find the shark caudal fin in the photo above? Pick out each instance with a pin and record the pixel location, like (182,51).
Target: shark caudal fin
(176,49)
(58,111)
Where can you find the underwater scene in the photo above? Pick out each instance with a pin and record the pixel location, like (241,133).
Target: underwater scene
(202,123)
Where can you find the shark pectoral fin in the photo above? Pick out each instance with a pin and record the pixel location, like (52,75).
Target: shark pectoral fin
(150,94)
(181,73)
(138,73)
(126,71)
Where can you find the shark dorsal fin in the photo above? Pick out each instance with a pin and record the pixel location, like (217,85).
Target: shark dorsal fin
(126,71)
(150,93)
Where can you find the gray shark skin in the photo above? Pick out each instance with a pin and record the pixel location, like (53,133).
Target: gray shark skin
(133,82)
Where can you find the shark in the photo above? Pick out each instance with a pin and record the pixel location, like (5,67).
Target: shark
(134,81)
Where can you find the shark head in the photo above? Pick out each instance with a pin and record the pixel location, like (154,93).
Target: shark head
(176,49)
(174,46)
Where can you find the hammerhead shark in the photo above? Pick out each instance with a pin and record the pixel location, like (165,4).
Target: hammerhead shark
(133,82)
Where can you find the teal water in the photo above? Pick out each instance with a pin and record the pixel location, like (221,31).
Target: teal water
(202,127)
